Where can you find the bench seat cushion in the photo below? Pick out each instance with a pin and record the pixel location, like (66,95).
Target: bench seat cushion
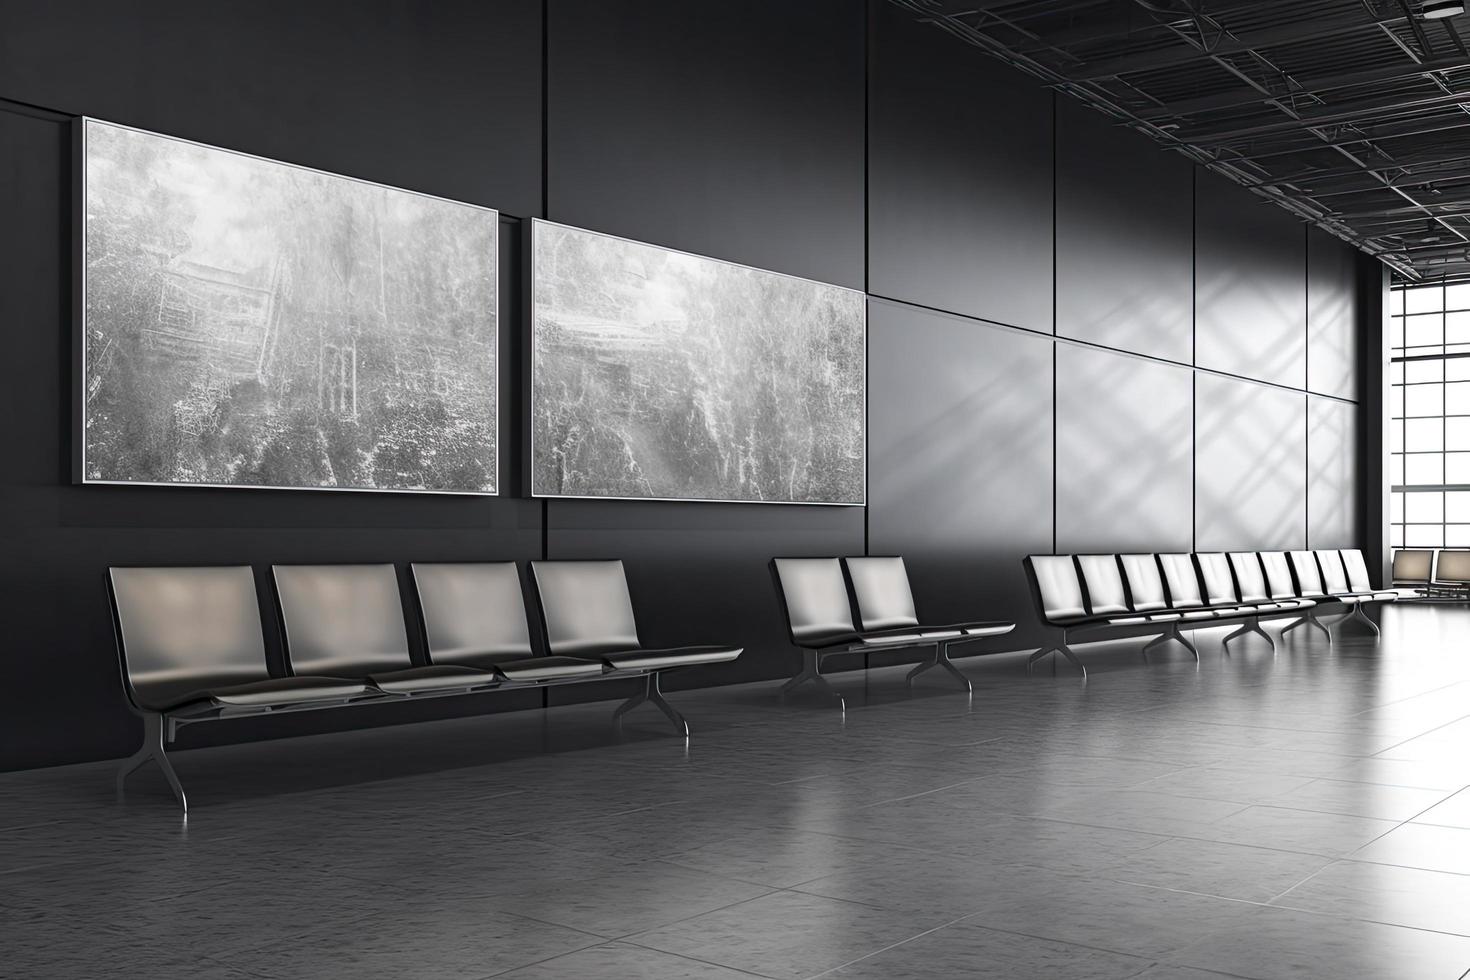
(441,677)
(548,668)
(274,692)
(671,657)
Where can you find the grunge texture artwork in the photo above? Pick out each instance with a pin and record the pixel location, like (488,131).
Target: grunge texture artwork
(662,375)
(252,323)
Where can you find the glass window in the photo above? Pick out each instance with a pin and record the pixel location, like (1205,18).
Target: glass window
(1423,435)
(1457,535)
(1417,371)
(1457,398)
(1456,433)
(1423,400)
(1457,468)
(1457,506)
(1424,299)
(1457,297)
(1423,468)
(1424,507)
(1423,536)
(1424,330)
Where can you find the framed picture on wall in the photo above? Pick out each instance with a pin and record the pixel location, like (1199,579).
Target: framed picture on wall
(250,323)
(656,374)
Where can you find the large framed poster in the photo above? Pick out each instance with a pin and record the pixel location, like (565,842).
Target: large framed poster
(250,323)
(656,374)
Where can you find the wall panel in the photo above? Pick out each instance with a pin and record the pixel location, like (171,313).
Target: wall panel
(1250,285)
(959,178)
(438,97)
(1332,328)
(1125,261)
(1332,474)
(727,129)
(1250,466)
(1125,453)
(960,458)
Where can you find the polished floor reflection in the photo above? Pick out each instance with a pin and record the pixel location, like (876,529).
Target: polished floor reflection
(1303,815)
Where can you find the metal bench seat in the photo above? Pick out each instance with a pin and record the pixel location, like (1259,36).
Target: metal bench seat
(191,648)
(834,606)
(587,613)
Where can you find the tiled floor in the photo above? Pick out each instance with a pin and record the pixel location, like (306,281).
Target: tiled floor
(1298,816)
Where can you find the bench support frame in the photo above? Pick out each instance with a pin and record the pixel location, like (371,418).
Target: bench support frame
(811,670)
(158,732)
(942,661)
(1173,633)
(1251,625)
(1310,619)
(653,694)
(1059,648)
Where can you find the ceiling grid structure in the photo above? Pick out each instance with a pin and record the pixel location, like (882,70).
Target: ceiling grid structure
(1353,115)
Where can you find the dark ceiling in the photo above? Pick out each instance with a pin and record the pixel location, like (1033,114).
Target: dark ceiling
(1352,114)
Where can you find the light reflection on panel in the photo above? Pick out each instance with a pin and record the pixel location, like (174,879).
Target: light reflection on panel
(1331,316)
(1250,286)
(1332,462)
(1124,453)
(1250,466)
(960,457)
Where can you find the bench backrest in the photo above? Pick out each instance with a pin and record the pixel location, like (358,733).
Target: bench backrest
(1214,568)
(1247,568)
(186,629)
(1278,574)
(1334,575)
(814,596)
(1308,574)
(1104,584)
(1183,580)
(474,613)
(1453,567)
(881,592)
(1357,570)
(1412,566)
(585,607)
(342,620)
(1056,589)
(1145,585)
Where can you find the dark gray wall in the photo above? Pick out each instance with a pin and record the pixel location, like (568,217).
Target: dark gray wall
(831,139)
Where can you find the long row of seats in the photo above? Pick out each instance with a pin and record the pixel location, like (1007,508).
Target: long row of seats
(862,604)
(1162,592)
(192,648)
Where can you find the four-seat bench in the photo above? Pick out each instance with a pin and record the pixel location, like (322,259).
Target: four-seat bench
(191,647)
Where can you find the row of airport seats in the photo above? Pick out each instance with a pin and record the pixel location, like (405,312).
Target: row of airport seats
(1162,592)
(192,649)
(1430,573)
(862,604)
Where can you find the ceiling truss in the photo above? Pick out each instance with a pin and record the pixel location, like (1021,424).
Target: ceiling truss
(1354,115)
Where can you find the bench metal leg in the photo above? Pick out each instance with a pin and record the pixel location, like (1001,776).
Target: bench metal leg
(1362,617)
(942,661)
(154,748)
(1252,625)
(811,671)
(654,695)
(1171,634)
(1059,648)
(1310,619)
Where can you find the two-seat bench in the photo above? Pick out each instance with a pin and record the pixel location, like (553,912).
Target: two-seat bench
(862,604)
(1161,593)
(191,646)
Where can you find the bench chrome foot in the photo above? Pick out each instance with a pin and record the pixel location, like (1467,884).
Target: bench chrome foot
(1059,648)
(154,748)
(1362,617)
(1252,625)
(1310,619)
(652,694)
(942,661)
(811,672)
(1172,634)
